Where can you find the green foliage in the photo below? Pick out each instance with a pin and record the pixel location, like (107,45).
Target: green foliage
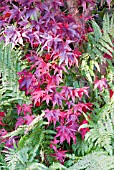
(102,132)
(16,159)
(82,147)
(10,95)
(110,74)
(9,66)
(99,42)
(93,161)
(20,159)
(35,137)
(57,166)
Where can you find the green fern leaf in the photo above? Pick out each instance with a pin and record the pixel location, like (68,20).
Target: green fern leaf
(94,161)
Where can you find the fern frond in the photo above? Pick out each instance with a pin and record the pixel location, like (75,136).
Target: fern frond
(17,159)
(102,133)
(57,166)
(10,64)
(108,24)
(83,147)
(35,137)
(36,166)
(99,42)
(94,161)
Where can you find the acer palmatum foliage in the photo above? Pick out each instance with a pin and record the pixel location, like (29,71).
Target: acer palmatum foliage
(50,36)
(44,25)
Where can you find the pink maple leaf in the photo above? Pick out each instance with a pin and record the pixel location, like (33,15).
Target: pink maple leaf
(53,144)
(67,131)
(25,108)
(47,98)
(80,91)
(82,107)
(60,155)
(28,119)
(27,79)
(20,121)
(70,92)
(100,84)
(57,98)
(52,115)
(37,95)
(10,141)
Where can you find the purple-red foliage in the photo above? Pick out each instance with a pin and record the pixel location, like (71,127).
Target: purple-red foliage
(45,25)
(100,84)
(2,114)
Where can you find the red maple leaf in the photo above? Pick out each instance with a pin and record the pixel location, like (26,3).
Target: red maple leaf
(53,144)
(25,108)
(78,92)
(80,107)
(66,131)
(60,155)
(38,95)
(83,131)
(20,121)
(52,115)
(111,93)
(100,84)
(28,118)
(2,114)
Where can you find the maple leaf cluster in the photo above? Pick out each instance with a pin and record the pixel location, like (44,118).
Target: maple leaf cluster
(44,82)
(25,115)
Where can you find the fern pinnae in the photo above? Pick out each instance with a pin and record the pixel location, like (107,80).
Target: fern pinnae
(106,45)
(96,160)
(33,152)
(106,38)
(97,31)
